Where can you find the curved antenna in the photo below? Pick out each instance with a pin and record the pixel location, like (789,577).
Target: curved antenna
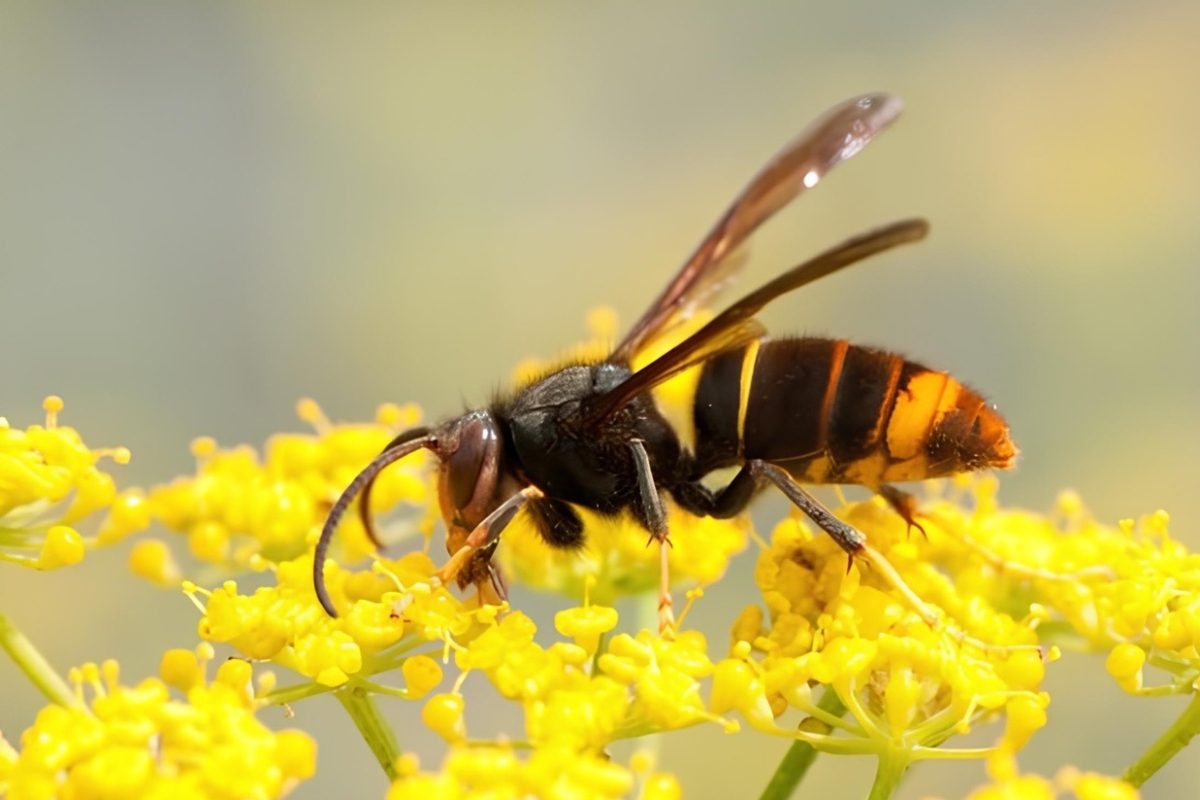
(362,480)
(364,503)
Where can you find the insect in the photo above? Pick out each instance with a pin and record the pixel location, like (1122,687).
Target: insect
(783,411)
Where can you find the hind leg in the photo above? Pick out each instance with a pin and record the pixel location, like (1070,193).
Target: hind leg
(903,504)
(847,537)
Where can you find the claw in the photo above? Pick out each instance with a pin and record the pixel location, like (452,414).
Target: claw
(498,583)
(905,505)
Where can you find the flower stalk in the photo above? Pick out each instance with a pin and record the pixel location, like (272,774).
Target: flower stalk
(1174,739)
(375,730)
(800,756)
(892,765)
(35,666)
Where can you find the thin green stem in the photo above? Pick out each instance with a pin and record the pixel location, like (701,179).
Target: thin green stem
(601,647)
(892,765)
(379,736)
(34,665)
(800,756)
(391,658)
(291,694)
(1171,742)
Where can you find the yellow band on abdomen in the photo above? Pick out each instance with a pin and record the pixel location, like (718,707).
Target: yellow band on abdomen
(748,361)
(917,406)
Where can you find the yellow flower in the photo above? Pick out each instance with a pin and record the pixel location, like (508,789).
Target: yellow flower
(1123,588)
(1010,785)
(617,557)
(443,714)
(586,624)
(238,507)
(545,773)
(664,676)
(140,742)
(49,482)
(908,685)
(389,611)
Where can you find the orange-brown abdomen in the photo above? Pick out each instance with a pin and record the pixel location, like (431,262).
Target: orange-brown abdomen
(832,412)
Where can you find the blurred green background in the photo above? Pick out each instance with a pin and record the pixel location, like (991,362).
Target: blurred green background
(210,210)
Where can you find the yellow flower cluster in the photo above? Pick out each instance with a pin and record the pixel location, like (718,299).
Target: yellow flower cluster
(577,697)
(1068,783)
(1128,589)
(577,700)
(237,507)
(617,558)
(49,482)
(388,612)
(859,657)
(139,742)
(491,773)
(908,686)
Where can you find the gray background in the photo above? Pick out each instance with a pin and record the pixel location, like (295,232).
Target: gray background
(209,211)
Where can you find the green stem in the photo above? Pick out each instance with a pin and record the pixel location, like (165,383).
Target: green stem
(800,756)
(34,665)
(380,737)
(291,694)
(892,766)
(601,647)
(1171,742)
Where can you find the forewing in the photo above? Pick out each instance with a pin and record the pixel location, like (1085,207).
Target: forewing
(839,134)
(732,326)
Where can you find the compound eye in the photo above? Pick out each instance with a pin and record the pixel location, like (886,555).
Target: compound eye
(477,448)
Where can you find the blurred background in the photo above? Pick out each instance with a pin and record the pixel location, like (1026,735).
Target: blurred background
(208,211)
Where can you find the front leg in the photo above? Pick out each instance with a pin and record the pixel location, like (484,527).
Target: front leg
(487,534)
(654,516)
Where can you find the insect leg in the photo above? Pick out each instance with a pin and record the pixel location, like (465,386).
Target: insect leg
(847,537)
(696,498)
(487,533)
(904,504)
(655,516)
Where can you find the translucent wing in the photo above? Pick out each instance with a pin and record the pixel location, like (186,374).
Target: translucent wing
(839,134)
(736,324)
